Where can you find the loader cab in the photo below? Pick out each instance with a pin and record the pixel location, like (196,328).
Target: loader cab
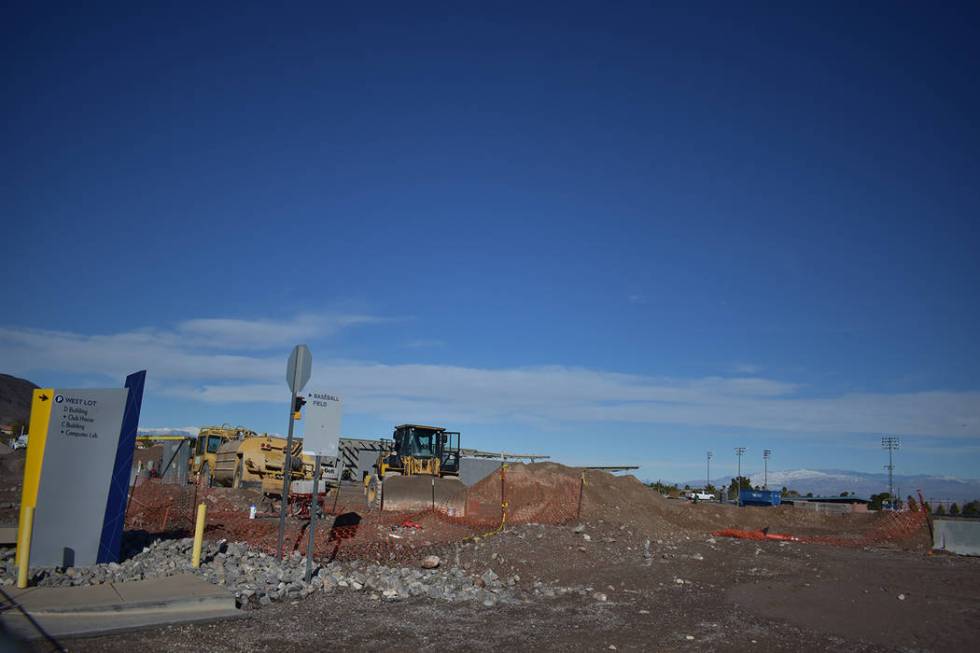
(208,444)
(418,442)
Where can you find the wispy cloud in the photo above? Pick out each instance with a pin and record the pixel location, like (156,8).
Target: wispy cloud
(425,344)
(265,334)
(211,369)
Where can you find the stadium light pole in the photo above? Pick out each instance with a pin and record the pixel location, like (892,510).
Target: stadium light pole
(709,473)
(890,442)
(765,466)
(738,479)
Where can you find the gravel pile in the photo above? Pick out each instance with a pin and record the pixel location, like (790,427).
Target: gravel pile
(258,579)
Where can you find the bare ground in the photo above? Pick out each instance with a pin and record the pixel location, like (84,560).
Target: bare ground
(880,591)
(740,596)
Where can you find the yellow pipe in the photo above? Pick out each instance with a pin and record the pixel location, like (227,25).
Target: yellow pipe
(24,546)
(199,535)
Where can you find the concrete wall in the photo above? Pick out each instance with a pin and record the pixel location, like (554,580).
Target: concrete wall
(474,470)
(176,454)
(961,536)
(826,508)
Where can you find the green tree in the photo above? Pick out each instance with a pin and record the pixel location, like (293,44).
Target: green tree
(739,483)
(940,510)
(971,509)
(844,494)
(926,507)
(877,500)
(954,510)
(663,488)
(913,506)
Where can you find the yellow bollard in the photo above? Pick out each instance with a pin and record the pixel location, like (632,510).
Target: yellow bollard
(24,546)
(199,535)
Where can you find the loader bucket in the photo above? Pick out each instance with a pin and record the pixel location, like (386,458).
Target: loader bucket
(420,493)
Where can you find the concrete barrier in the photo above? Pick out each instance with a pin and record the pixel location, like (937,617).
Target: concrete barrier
(825,508)
(960,536)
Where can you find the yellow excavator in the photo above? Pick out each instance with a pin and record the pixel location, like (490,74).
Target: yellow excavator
(418,471)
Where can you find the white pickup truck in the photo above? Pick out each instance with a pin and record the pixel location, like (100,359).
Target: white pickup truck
(701,496)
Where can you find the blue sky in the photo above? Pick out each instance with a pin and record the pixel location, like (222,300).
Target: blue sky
(612,234)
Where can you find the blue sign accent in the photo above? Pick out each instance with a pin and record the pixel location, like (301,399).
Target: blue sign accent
(115,507)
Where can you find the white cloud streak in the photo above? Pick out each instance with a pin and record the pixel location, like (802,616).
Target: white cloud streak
(228,361)
(263,334)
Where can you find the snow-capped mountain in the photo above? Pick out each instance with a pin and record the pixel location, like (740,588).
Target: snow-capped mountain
(183,430)
(824,482)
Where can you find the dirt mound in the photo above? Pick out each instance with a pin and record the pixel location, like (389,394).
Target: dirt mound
(540,492)
(551,493)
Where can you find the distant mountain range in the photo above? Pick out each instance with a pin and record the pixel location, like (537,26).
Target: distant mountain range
(824,482)
(15,399)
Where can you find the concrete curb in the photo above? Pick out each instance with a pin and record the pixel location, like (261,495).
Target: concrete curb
(114,607)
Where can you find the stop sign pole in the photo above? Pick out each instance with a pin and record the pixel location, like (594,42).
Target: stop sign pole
(298,370)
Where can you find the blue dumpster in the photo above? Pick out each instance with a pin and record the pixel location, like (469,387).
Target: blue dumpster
(760,497)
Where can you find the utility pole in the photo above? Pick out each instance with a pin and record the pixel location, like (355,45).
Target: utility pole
(738,479)
(890,442)
(708,482)
(765,463)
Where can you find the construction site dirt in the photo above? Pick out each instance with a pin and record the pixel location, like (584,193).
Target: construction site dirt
(737,596)
(649,573)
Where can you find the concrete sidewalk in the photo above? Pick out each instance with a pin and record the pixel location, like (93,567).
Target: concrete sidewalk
(96,609)
(8,535)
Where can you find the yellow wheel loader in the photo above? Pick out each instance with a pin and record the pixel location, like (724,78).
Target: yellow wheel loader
(419,471)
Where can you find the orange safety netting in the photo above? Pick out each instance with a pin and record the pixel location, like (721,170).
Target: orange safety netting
(542,493)
(891,527)
(349,527)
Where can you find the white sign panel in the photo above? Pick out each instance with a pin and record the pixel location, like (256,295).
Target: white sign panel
(321,436)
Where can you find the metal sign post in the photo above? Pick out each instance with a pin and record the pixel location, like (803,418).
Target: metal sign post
(321,437)
(298,370)
(314,511)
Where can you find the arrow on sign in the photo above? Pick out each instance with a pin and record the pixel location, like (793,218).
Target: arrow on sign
(43,397)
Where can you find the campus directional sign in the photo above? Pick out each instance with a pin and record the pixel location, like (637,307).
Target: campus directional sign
(77,472)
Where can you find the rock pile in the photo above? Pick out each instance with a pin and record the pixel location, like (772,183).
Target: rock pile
(258,579)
